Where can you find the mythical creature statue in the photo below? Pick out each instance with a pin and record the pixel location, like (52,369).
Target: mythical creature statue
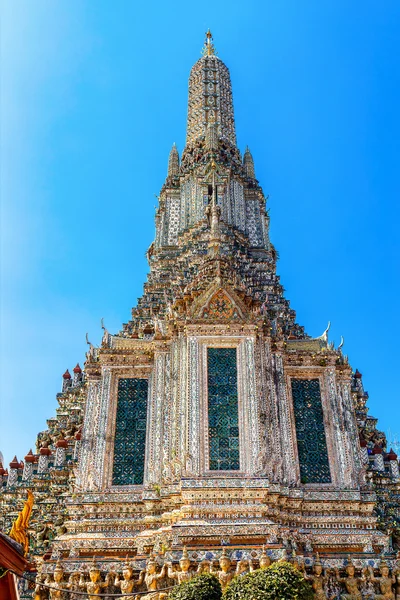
(128,583)
(318,580)
(40,591)
(152,579)
(43,534)
(184,574)
(385,582)
(95,585)
(351,583)
(204,566)
(73,586)
(59,526)
(396,573)
(262,464)
(243,567)
(224,575)
(58,585)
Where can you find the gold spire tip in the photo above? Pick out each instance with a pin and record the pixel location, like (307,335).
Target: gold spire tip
(209,48)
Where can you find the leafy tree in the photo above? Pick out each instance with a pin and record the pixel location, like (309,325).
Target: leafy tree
(200,587)
(280,581)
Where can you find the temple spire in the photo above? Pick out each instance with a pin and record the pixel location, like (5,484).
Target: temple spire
(210,98)
(248,163)
(173,162)
(209,48)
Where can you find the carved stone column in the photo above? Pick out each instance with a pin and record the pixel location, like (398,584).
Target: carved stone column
(342,425)
(270,419)
(86,459)
(289,451)
(157,411)
(193,411)
(251,411)
(101,429)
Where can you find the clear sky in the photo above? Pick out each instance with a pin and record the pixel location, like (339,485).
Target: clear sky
(94,94)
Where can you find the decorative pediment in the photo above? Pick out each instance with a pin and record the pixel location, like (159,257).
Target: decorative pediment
(219,304)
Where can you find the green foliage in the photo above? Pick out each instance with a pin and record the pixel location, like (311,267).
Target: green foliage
(280,581)
(201,587)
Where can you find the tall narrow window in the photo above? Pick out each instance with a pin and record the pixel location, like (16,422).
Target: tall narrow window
(223,417)
(310,430)
(130,432)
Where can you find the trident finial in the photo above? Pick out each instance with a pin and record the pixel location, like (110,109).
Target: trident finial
(209,48)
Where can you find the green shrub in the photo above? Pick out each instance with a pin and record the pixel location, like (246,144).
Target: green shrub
(201,587)
(280,581)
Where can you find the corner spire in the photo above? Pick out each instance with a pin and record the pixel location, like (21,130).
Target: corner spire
(173,162)
(248,163)
(209,48)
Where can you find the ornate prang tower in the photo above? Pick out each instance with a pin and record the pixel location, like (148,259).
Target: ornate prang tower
(212,419)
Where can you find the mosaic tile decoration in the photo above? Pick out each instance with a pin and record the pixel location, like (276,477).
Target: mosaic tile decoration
(311,440)
(223,416)
(130,432)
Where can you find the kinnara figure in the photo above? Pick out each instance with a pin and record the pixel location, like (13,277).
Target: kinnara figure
(204,566)
(243,567)
(127,584)
(385,582)
(351,583)
(73,586)
(95,585)
(318,580)
(224,575)
(57,586)
(40,591)
(183,574)
(152,578)
(396,573)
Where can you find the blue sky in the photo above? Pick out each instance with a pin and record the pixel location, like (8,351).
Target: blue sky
(94,94)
